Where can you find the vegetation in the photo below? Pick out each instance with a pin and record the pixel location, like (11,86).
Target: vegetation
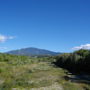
(35,73)
(77,62)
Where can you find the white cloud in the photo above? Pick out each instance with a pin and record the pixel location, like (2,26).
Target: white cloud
(4,38)
(85,46)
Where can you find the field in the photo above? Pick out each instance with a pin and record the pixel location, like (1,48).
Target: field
(26,73)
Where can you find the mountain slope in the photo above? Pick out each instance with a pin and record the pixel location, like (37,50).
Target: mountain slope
(32,52)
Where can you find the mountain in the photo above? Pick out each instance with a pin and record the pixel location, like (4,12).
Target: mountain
(33,52)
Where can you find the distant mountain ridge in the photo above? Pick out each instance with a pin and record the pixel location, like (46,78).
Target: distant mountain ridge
(31,51)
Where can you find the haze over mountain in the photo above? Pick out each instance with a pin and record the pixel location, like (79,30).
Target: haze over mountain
(31,51)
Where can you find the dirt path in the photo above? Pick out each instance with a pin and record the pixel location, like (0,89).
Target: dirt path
(54,86)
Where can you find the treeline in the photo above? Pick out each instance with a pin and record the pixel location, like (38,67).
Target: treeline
(76,62)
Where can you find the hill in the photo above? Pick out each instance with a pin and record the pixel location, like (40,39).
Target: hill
(33,52)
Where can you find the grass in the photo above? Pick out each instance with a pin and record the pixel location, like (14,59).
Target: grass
(34,75)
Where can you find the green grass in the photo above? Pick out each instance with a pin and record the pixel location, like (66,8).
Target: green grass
(34,75)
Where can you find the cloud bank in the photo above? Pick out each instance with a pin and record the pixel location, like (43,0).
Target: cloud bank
(4,38)
(85,46)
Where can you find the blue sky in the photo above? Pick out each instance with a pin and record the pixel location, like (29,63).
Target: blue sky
(57,25)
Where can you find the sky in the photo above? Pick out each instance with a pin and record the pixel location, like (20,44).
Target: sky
(57,25)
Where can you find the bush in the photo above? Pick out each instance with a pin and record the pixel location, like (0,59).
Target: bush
(77,62)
